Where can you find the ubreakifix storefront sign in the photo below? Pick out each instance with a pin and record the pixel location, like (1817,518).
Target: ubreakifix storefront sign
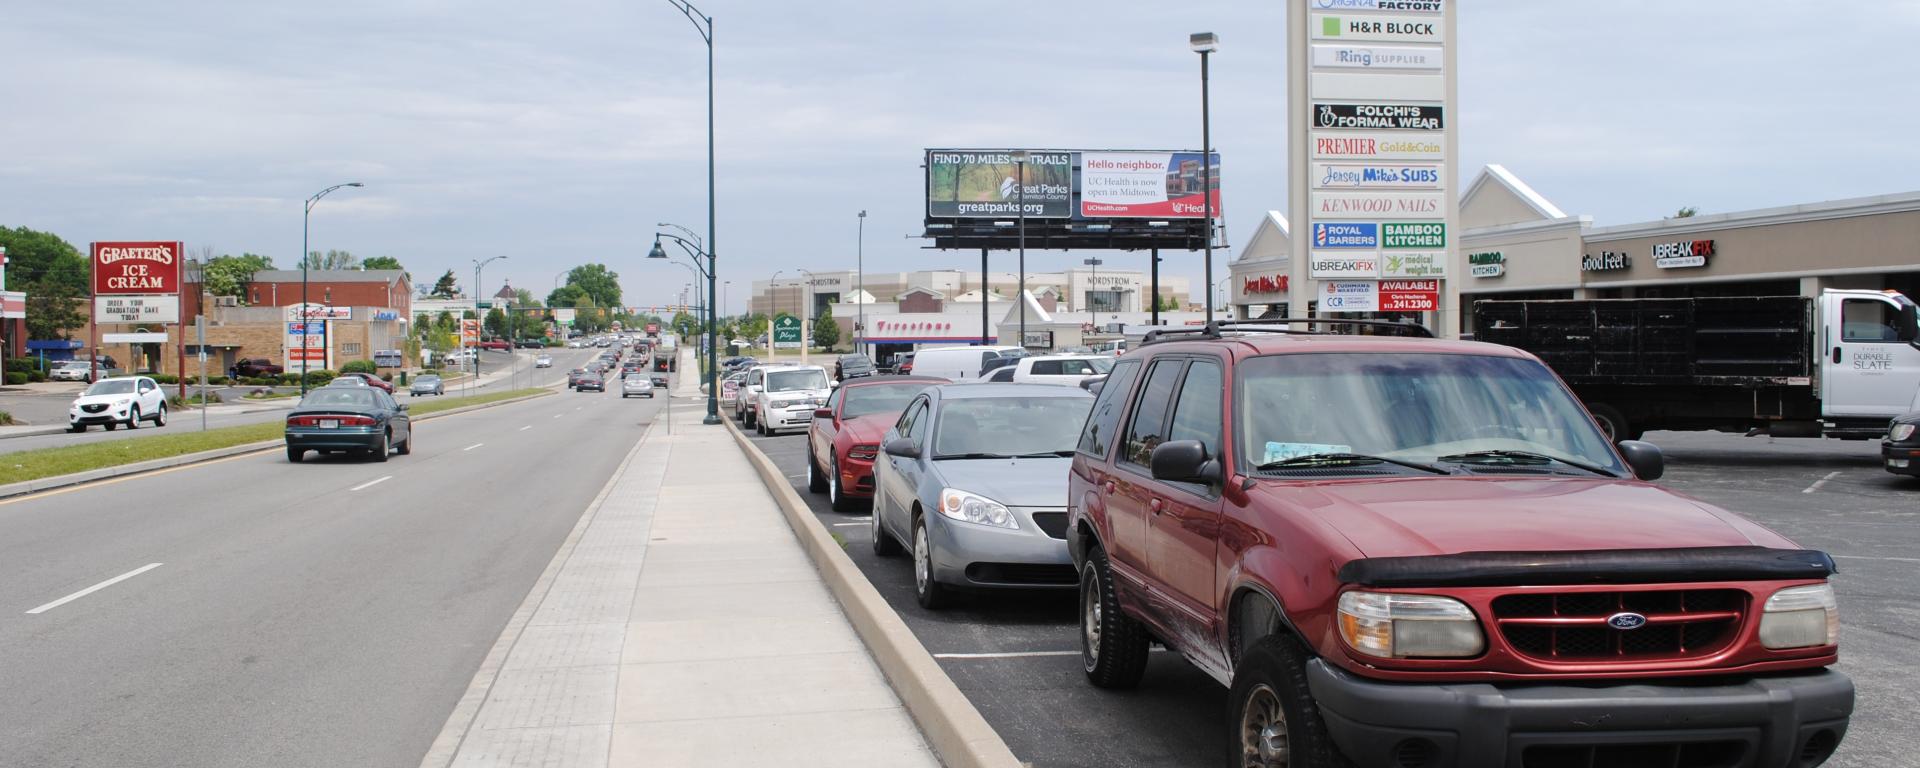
(1390,117)
(1683,254)
(1337,264)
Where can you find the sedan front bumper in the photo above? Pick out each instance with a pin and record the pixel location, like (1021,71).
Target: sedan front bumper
(974,555)
(788,417)
(1901,458)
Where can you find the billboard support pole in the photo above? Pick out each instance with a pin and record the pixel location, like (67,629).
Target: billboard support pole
(985,294)
(93,326)
(180,325)
(1206,175)
(1021,163)
(1154,282)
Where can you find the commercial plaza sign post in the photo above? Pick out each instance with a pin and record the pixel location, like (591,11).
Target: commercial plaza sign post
(1371,87)
(786,332)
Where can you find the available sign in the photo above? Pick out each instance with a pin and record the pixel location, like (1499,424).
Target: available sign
(1375,57)
(1401,117)
(1375,146)
(1352,176)
(981,184)
(1346,234)
(1686,253)
(1341,205)
(1382,29)
(1409,295)
(1489,264)
(1159,185)
(136,309)
(1324,265)
(1414,234)
(1414,264)
(144,267)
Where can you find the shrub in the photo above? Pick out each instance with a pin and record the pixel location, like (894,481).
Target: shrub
(317,378)
(16,377)
(21,364)
(36,376)
(6,419)
(360,366)
(164,378)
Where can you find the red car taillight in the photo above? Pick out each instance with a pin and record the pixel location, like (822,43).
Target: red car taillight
(345,421)
(865,451)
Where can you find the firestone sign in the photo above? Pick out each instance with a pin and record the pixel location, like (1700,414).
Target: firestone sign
(125,268)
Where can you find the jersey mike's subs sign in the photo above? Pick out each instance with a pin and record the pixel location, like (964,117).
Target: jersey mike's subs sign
(121,268)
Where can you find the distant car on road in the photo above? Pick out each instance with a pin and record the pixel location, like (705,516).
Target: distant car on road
(70,370)
(971,480)
(428,384)
(497,345)
(127,400)
(636,385)
(853,367)
(543,361)
(258,367)
(530,344)
(361,420)
(845,435)
(370,380)
(594,380)
(574,377)
(657,379)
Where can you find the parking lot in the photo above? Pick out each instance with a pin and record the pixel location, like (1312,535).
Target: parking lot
(1017,655)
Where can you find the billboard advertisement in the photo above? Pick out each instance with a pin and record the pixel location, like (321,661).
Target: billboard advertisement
(144,267)
(981,184)
(1154,185)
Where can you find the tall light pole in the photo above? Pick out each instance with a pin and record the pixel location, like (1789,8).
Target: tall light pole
(1205,43)
(704,25)
(1093,285)
(713,322)
(860,288)
(1020,183)
(306,219)
(773,310)
(480,264)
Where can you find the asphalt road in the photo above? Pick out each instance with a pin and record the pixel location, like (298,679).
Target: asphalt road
(190,420)
(327,613)
(1022,669)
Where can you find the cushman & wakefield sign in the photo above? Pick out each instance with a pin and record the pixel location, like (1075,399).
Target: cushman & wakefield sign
(145,267)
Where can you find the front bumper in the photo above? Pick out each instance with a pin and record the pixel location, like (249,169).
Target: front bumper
(1764,722)
(112,415)
(856,478)
(973,555)
(792,417)
(1901,458)
(342,438)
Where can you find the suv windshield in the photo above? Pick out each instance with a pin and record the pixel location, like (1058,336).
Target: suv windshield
(112,387)
(1421,408)
(986,427)
(891,398)
(789,381)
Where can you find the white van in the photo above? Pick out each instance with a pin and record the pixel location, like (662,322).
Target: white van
(1068,370)
(955,363)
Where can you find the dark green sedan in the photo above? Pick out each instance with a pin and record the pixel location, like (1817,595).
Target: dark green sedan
(362,421)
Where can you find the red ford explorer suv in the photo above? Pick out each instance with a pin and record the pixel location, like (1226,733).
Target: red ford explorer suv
(844,436)
(1413,552)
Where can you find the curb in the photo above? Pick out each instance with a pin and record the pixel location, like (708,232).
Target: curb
(25,487)
(956,730)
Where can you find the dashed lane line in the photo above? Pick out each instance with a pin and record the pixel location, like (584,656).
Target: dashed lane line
(95,588)
(1820,482)
(471,447)
(371,483)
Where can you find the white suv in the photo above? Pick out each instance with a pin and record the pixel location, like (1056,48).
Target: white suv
(788,397)
(126,400)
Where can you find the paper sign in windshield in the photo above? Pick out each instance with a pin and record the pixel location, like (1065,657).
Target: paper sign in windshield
(1284,451)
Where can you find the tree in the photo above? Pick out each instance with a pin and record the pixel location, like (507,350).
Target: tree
(496,323)
(1685,213)
(826,332)
(332,260)
(600,283)
(445,287)
(229,275)
(752,327)
(56,277)
(383,262)
(684,325)
(1167,304)
(565,296)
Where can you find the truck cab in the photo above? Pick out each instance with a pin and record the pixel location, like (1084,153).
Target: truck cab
(1871,363)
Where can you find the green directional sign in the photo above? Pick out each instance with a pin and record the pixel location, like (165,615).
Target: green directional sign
(786,331)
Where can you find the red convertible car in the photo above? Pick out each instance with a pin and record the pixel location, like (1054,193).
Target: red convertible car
(845,435)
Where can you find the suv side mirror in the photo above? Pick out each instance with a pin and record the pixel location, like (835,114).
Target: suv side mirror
(1644,458)
(903,447)
(1093,384)
(1184,461)
(1909,323)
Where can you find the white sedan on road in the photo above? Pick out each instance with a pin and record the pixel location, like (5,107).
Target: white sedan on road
(112,402)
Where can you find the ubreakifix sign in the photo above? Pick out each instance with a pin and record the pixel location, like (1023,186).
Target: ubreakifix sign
(1369,176)
(1403,117)
(1325,265)
(1376,57)
(1375,145)
(1344,205)
(1686,253)
(1377,28)
(1346,234)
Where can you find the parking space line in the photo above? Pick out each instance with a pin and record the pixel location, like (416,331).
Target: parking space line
(95,588)
(1019,654)
(370,483)
(527,427)
(1820,482)
(471,447)
(849,525)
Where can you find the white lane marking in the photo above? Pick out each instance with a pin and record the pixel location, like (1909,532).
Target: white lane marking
(558,415)
(1888,559)
(1820,482)
(1019,654)
(471,447)
(796,477)
(95,588)
(370,483)
(849,525)
(527,427)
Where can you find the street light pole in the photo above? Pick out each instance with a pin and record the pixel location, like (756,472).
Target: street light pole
(1020,183)
(479,264)
(704,25)
(1093,285)
(860,288)
(713,359)
(773,312)
(306,219)
(1205,43)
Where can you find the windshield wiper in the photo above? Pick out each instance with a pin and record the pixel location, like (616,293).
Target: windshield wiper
(1045,454)
(1523,457)
(972,456)
(1315,460)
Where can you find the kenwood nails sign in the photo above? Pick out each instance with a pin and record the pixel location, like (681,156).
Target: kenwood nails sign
(136,268)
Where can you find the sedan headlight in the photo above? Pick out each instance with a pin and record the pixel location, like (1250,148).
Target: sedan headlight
(1396,626)
(1800,617)
(974,508)
(1900,432)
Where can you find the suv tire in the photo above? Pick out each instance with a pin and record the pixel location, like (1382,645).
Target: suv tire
(1272,720)
(133,418)
(160,417)
(1113,647)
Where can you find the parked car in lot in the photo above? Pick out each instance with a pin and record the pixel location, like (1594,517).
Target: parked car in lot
(750,392)
(636,385)
(369,380)
(124,401)
(1067,370)
(788,397)
(543,361)
(70,370)
(970,481)
(844,438)
(848,367)
(903,364)
(1409,551)
(730,389)
(1900,450)
(427,384)
(360,420)
(258,367)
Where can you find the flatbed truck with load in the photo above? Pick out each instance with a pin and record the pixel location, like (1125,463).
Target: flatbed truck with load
(1842,364)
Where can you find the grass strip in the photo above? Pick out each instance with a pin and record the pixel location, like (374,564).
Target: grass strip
(65,460)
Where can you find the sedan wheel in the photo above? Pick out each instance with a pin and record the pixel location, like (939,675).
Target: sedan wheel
(816,483)
(160,419)
(931,594)
(385,447)
(883,543)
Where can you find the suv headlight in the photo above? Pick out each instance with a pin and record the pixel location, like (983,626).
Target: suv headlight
(1396,626)
(974,508)
(1800,617)
(1900,432)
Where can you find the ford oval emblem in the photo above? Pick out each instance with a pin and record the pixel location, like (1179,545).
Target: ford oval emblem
(1625,621)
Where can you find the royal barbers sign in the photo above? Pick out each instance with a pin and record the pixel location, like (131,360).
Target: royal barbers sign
(123,268)
(1410,117)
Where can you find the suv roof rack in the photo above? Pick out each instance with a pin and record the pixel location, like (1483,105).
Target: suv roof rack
(1214,329)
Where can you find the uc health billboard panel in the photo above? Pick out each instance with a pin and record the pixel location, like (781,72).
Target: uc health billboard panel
(124,268)
(1149,185)
(982,184)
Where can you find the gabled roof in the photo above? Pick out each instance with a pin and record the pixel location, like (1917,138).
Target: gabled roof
(920,289)
(505,292)
(1035,314)
(1269,240)
(1501,178)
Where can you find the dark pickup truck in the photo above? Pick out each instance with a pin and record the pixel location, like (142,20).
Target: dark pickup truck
(257,367)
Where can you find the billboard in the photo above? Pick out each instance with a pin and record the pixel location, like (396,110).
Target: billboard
(981,184)
(143,267)
(1154,185)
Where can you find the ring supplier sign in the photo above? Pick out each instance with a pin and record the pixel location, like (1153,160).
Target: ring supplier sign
(1376,57)
(982,184)
(1157,185)
(143,267)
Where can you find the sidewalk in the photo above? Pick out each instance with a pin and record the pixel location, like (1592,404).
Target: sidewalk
(681,625)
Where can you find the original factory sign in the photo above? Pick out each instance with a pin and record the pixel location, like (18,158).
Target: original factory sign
(136,268)
(1686,253)
(1408,117)
(1423,6)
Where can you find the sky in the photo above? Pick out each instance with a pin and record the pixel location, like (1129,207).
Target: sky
(559,133)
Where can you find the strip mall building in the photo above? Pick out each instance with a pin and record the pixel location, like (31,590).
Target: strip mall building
(1515,244)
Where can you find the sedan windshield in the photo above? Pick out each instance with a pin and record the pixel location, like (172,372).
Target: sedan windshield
(791,381)
(112,387)
(1462,411)
(993,427)
(872,399)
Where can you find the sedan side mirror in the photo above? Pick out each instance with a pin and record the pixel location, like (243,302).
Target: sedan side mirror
(823,413)
(903,447)
(1644,459)
(1184,461)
